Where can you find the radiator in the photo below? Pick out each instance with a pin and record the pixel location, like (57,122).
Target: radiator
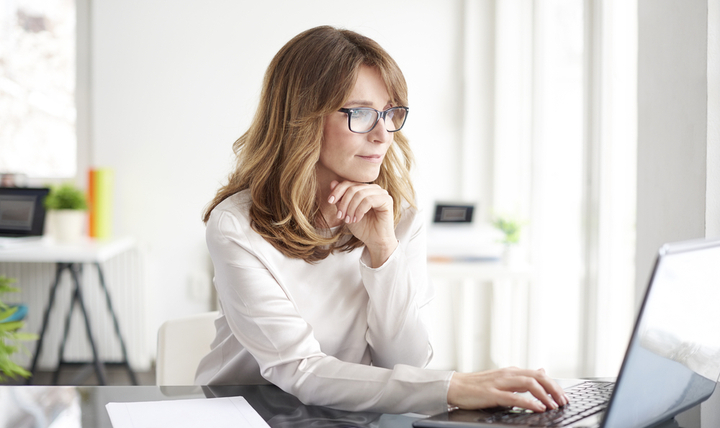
(124,276)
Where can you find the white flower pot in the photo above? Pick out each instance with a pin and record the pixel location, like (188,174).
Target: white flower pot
(513,255)
(67,226)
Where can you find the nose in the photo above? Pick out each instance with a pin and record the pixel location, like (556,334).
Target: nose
(380,134)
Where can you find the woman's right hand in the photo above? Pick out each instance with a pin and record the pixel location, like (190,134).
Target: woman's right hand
(368,213)
(498,388)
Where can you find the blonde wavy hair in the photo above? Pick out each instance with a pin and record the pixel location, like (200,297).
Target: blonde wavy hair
(311,77)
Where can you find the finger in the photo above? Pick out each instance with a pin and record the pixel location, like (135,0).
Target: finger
(346,192)
(354,194)
(358,206)
(354,198)
(510,399)
(363,208)
(537,390)
(548,387)
(364,200)
(338,190)
(528,383)
(374,202)
(552,388)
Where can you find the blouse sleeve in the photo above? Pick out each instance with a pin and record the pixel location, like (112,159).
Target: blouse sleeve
(397,290)
(267,324)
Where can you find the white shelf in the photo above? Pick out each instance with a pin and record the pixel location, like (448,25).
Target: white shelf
(46,250)
(479,271)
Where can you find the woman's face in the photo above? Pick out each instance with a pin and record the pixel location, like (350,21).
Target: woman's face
(346,155)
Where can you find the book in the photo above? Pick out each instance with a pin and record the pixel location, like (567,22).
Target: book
(230,412)
(100,199)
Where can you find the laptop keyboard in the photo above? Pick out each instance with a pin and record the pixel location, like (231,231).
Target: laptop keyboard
(586,399)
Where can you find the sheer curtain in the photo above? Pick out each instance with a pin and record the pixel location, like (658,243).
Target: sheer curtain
(560,136)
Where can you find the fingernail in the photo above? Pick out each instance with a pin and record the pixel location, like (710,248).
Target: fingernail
(567,400)
(347,219)
(354,219)
(339,214)
(331,199)
(542,407)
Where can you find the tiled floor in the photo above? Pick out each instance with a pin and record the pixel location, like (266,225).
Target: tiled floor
(72,375)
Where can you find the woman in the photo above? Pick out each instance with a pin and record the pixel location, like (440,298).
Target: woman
(319,251)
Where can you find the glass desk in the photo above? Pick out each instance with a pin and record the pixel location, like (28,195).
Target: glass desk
(69,404)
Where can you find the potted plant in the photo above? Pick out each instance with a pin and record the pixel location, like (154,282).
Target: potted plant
(67,206)
(10,323)
(510,229)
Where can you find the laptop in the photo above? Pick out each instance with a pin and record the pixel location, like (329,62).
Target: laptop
(671,364)
(22,212)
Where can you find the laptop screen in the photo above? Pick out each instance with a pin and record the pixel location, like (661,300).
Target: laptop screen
(673,361)
(22,212)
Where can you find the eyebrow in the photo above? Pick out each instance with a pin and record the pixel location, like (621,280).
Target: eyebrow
(364,103)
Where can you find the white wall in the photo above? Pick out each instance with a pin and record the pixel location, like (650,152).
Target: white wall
(174,83)
(677,135)
(712,217)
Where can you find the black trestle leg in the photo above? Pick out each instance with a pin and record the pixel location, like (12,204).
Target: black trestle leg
(61,350)
(46,316)
(99,369)
(125,360)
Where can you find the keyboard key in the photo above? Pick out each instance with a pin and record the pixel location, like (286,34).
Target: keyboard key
(585,399)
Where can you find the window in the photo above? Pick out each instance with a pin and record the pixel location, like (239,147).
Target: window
(37,88)
(564,161)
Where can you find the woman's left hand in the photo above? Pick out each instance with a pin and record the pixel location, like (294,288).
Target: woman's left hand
(367,210)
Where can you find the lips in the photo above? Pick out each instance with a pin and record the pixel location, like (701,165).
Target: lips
(372,158)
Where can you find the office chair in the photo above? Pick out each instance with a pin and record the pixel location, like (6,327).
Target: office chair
(181,345)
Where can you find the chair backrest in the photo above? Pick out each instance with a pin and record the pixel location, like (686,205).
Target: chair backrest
(181,345)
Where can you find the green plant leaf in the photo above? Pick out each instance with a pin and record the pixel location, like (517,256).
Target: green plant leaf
(10,336)
(7,311)
(7,289)
(66,197)
(10,326)
(25,337)
(10,369)
(510,228)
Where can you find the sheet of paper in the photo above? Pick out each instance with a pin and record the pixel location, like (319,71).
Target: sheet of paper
(230,412)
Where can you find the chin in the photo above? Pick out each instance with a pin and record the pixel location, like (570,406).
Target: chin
(363,176)
(367,178)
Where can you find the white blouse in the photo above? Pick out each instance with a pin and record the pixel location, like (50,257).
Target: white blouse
(334,333)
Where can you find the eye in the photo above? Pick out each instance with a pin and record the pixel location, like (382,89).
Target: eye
(361,114)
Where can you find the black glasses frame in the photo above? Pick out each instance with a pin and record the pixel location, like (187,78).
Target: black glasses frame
(380,115)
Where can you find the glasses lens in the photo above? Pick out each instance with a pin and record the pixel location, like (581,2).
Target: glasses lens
(395,118)
(362,119)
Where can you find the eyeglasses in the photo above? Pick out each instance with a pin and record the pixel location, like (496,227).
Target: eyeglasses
(362,120)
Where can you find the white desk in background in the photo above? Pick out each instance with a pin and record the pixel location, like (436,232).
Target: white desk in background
(71,258)
(484,286)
